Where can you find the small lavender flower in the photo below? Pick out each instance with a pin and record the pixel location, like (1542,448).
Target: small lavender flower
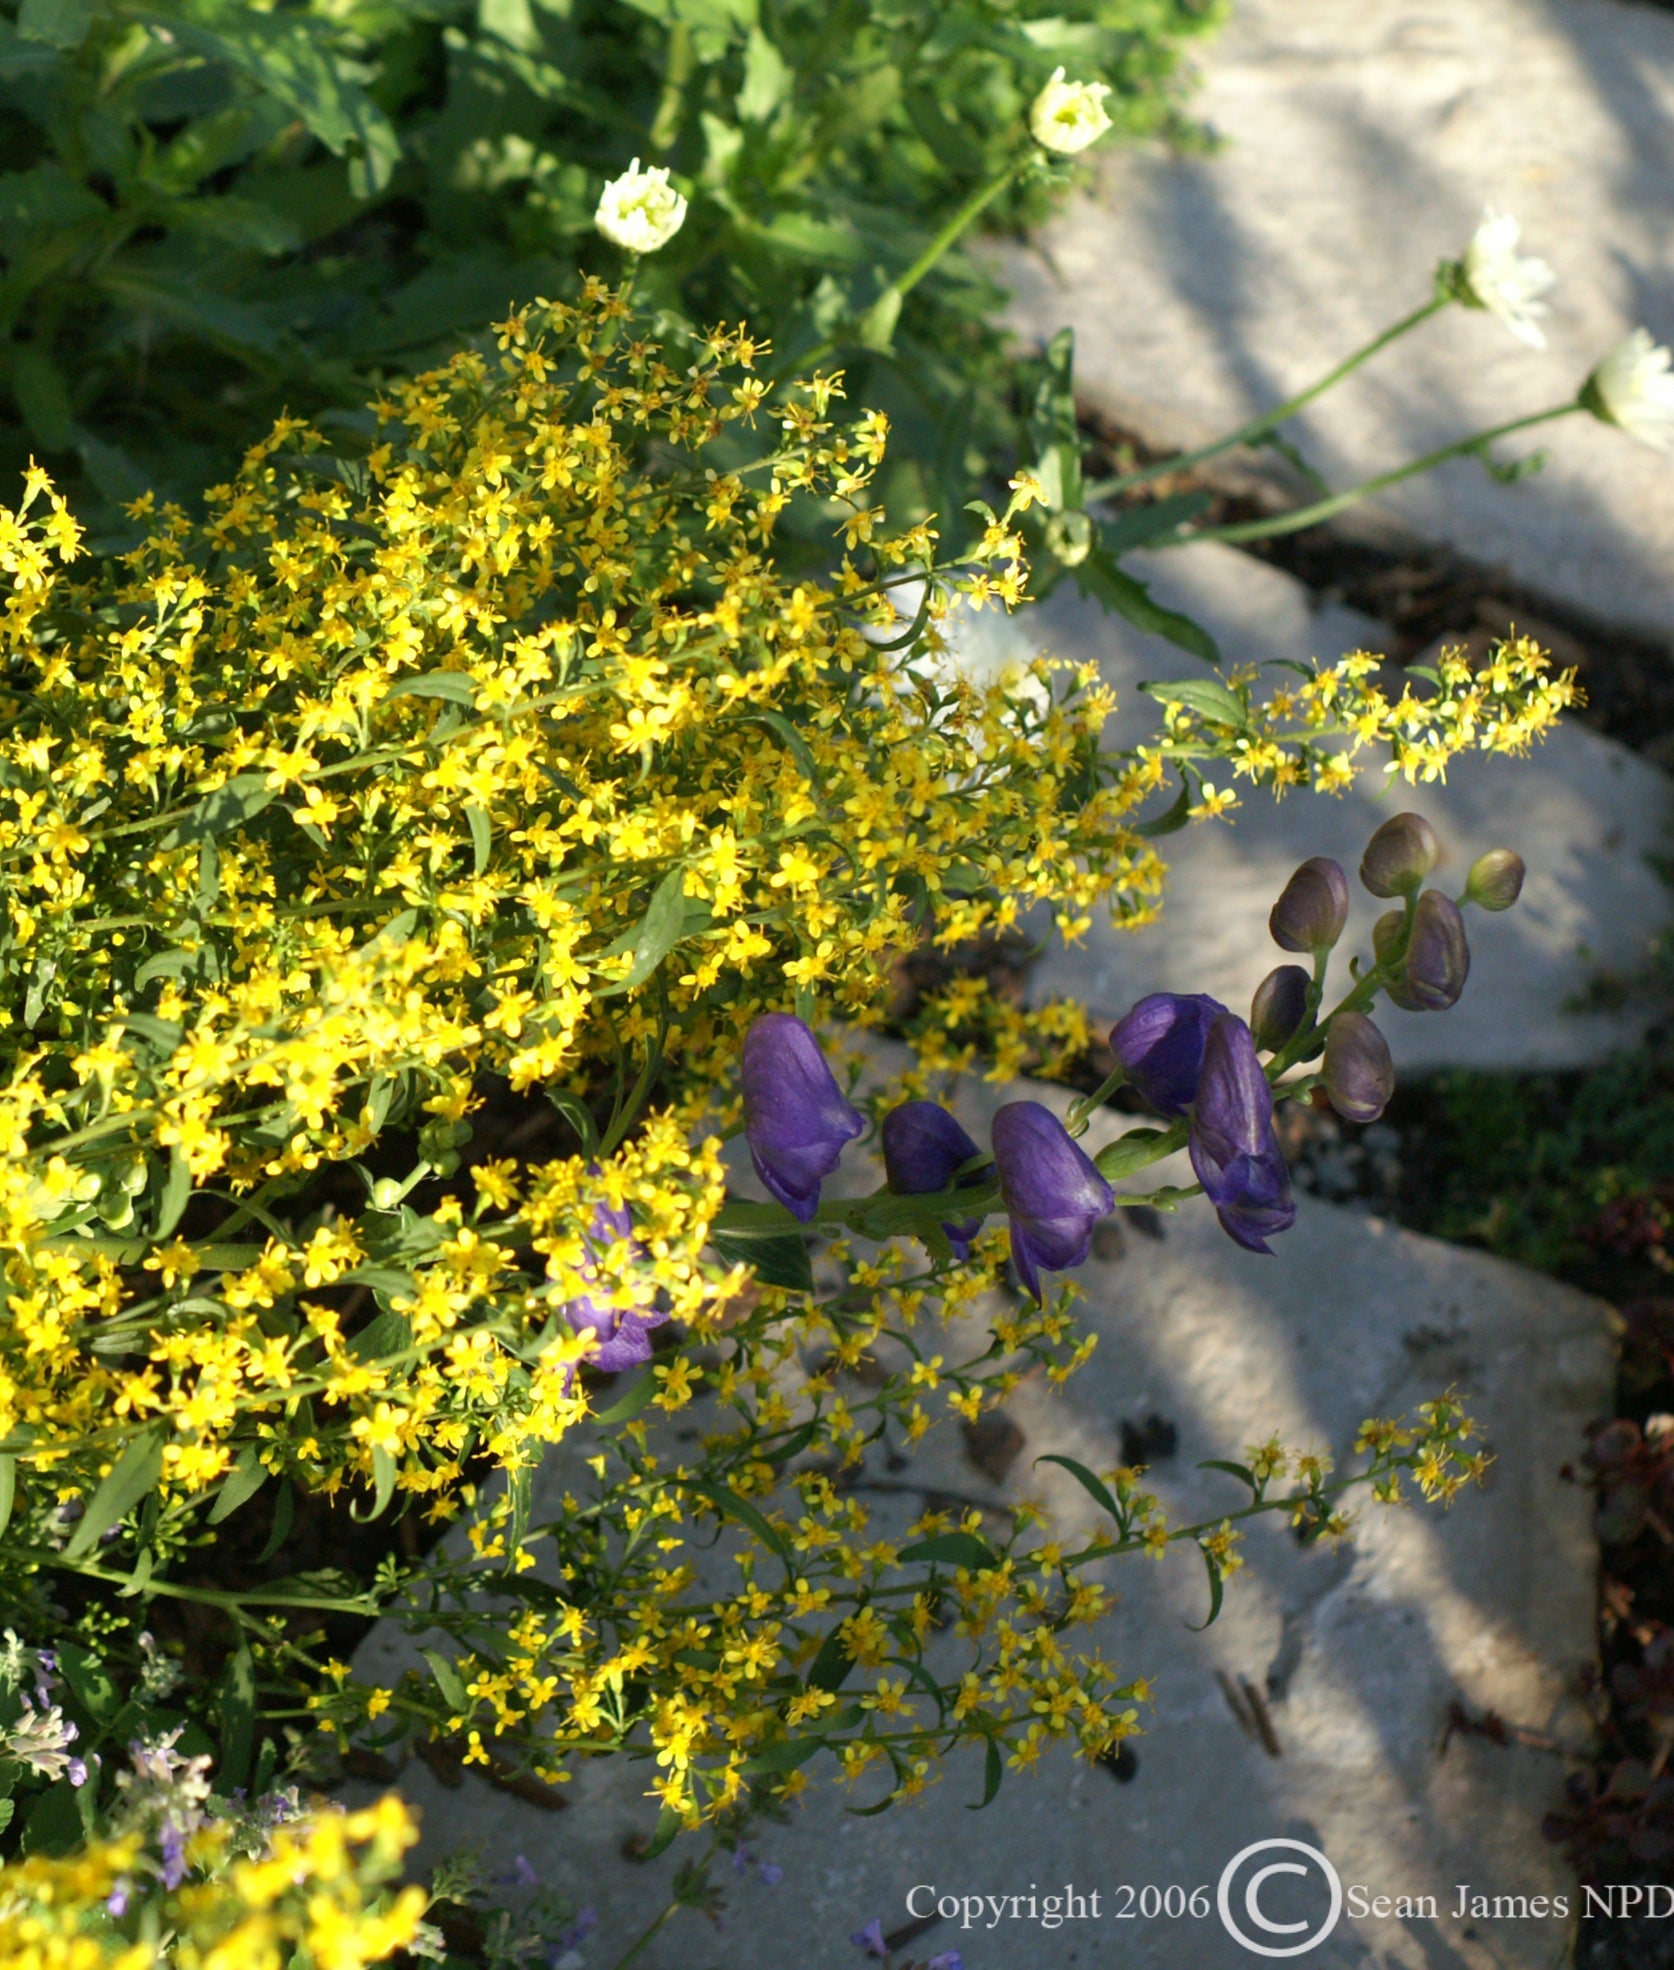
(41,1739)
(1160,1044)
(870,1939)
(796,1120)
(1052,1191)
(771,1874)
(923,1146)
(172,1843)
(1232,1144)
(950,1959)
(76,1772)
(116,1902)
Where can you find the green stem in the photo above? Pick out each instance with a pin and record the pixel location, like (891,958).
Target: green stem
(682,61)
(1259,427)
(1322,509)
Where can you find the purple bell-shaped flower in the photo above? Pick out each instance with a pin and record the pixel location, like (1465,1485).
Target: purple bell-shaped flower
(795,1118)
(1052,1191)
(1232,1143)
(923,1147)
(1160,1043)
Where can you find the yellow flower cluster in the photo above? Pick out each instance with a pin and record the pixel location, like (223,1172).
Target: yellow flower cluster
(318,1896)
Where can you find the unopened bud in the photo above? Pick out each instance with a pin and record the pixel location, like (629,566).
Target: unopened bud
(1386,935)
(1495,880)
(1399,856)
(1358,1072)
(1310,915)
(1438,956)
(386,1194)
(1279,1008)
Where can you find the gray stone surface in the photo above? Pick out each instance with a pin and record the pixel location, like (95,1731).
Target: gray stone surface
(1361,144)
(1358,1652)
(1584,811)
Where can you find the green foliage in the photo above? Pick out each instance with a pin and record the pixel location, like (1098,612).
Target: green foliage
(210,211)
(1525,1164)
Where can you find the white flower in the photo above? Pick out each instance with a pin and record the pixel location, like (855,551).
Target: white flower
(1502,280)
(1068,116)
(41,1740)
(641,210)
(1632,387)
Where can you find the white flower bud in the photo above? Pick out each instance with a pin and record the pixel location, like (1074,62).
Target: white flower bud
(641,210)
(1632,388)
(1502,280)
(1068,116)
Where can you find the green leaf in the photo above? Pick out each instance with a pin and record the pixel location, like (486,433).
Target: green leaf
(383,1487)
(43,397)
(292,58)
(1140,524)
(240,800)
(1207,696)
(659,931)
(993,1773)
(1094,1486)
(60,23)
(94,1686)
(129,1479)
(778,1258)
(786,1755)
(1099,578)
(669,1824)
(1238,1471)
(448,1681)
(177,1194)
(628,1406)
(283,1511)
(1134,1151)
(238,1718)
(54,1827)
(769,79)
(453,685)
(240,1484)
(1217,1589)
(1176,817)
(8,1489)
(829,1669)
(482,837)
(729,1505)
(950,1549)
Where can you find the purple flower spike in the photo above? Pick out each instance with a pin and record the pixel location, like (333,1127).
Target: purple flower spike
(923,1145)
(1160,1043)
(795,1118)
(1052,1191)
(624,1332)
(870,1939)
(1233,1148)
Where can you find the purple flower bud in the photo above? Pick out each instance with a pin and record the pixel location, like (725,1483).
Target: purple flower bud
(1052,1191)
(795,1118)
(172,1843)
(1359,1073)
(76,1772)
(624,1332)
(950,1959)
(1279,1007)
(923,1145)
(1438,957)
(771,1874)
(116,1902)
(1495,880)
(1233,1147)
(870,1939)
(1160,1043)
(1399,856)
(1311,912)
(1386,934)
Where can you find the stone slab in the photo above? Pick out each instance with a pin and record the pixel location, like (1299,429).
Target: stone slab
(1584,811)
(1360,144)
(1358,1653)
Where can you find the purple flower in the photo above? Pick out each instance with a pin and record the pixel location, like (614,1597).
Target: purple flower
(1358,1072)
(1311,912)
(771,1873)
(870,1939)
(624,1332)
(1052,1191)
(116,1902)
(950,1959)
(1160,1043)
(76,1772)
(578,1931)
(522,1874)
(795,1118)
(1279,1008)
(1438,956)
(1233,1148)
(173,1843)
(923,1145)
